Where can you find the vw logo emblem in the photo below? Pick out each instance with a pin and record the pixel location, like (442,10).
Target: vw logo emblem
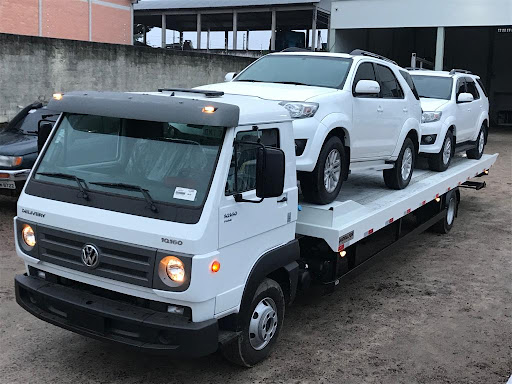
(90,256)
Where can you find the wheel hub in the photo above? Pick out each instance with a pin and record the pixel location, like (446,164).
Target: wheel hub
(481,142)
(263,325)
(332,170)
(447,153)
(450,214)
(407,164)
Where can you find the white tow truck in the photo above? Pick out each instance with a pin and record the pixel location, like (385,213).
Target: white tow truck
(172,222)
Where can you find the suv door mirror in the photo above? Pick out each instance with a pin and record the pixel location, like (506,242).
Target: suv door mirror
(230,76)
(367,87)
(43,132)
(270,168)
(465,98)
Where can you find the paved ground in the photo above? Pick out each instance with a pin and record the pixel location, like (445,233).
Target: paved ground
(438,311)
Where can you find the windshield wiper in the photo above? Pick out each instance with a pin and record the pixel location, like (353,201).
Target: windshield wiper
(130,187)
(253,81)
(79,181)
(291,82)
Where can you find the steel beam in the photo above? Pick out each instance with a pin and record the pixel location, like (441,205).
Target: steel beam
(274,27)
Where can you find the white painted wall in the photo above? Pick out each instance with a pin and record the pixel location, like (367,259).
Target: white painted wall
(419,13)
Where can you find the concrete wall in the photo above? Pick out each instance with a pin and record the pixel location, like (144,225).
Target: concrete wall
(33,68)
(105,21)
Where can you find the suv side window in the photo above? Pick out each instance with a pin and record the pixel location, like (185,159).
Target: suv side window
(242,172)
(389,86)
(481,84)
(471,87)
(461,87)
(364,72)
(408,78)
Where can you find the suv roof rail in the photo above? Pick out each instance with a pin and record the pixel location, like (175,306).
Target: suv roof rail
(417,69)
(360,52)
(295,49)
(205,92)
(455,70)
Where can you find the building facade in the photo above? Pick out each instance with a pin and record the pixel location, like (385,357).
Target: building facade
(468,34)
(105,21)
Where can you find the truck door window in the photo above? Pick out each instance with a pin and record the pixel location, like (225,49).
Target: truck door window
(364,72)
(461,87)
(389,86)
(242,172)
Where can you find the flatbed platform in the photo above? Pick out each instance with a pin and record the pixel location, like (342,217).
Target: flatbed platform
(365,205)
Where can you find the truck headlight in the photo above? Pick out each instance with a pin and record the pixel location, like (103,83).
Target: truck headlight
(300,110)
(430,117)
(10,161)
(28,235)
(175,269)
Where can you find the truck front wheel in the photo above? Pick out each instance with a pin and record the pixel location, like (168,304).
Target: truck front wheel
(400,176)
(260,326)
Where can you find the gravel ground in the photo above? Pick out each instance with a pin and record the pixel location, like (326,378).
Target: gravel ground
(437,311)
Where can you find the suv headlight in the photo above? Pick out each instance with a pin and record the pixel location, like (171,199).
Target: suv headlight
(300,110)
(430,117)
(10,161)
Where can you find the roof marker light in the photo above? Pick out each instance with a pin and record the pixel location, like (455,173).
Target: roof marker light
(58,96)
(209,109)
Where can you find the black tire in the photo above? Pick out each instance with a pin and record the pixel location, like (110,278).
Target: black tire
(437,162)
(312,184)
(240,351)
(478,151)
(393,177)
(445,225)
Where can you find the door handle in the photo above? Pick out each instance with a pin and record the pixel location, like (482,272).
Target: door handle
(405,110)
(283,200)
(380,109)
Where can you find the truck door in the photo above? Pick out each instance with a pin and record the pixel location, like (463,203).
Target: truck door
(241,220)
(463,113)
(476,107)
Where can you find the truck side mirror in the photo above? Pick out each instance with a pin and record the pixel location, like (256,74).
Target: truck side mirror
(367,87)
(230,76)
(270,168)
(43,132)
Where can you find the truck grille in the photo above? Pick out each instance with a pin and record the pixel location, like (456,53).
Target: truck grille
(118,261)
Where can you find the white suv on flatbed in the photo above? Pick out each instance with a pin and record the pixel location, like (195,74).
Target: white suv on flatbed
(455,115)
(351,112)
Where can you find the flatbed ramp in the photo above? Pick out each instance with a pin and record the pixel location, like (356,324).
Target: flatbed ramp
(366,205)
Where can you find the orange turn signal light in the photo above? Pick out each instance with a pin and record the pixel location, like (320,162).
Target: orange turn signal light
(17,161)
(4,175)
(215,266)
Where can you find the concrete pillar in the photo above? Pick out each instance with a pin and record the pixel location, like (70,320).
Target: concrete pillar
(274,27)
(164,31)
(144,35)
(208,40)
(198,31)
(313,30)
(40,17)
(235,30)
(226,40)
(439,49)
(307,38)
(90,19)
(247,41)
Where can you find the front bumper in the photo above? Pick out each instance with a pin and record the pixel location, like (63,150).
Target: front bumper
(436,128)
(19,178)
(110,320)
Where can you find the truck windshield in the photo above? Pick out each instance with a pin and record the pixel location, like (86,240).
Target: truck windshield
(433,87)
(319,71)
(154,161)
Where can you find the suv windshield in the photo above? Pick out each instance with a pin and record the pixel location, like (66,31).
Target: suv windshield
(158,162)
(433,87)
(318,71)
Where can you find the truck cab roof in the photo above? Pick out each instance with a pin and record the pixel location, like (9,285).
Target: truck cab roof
(180,107)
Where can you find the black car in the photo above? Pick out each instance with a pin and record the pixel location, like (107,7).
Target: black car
(18,147)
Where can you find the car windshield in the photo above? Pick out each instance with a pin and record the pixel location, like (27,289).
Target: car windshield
(161,162)
(319,71)
(433,87)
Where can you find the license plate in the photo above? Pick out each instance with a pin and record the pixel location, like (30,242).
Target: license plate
(7,185)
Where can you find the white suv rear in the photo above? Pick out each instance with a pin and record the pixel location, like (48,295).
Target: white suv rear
(455,115)
(351,112)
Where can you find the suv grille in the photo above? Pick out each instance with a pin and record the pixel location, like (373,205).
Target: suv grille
(118,261)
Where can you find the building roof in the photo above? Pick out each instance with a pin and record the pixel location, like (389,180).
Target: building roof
(194,4)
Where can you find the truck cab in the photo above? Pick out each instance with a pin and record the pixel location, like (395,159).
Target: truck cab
(167,204)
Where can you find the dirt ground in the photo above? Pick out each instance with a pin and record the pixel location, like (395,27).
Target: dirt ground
(437,311)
